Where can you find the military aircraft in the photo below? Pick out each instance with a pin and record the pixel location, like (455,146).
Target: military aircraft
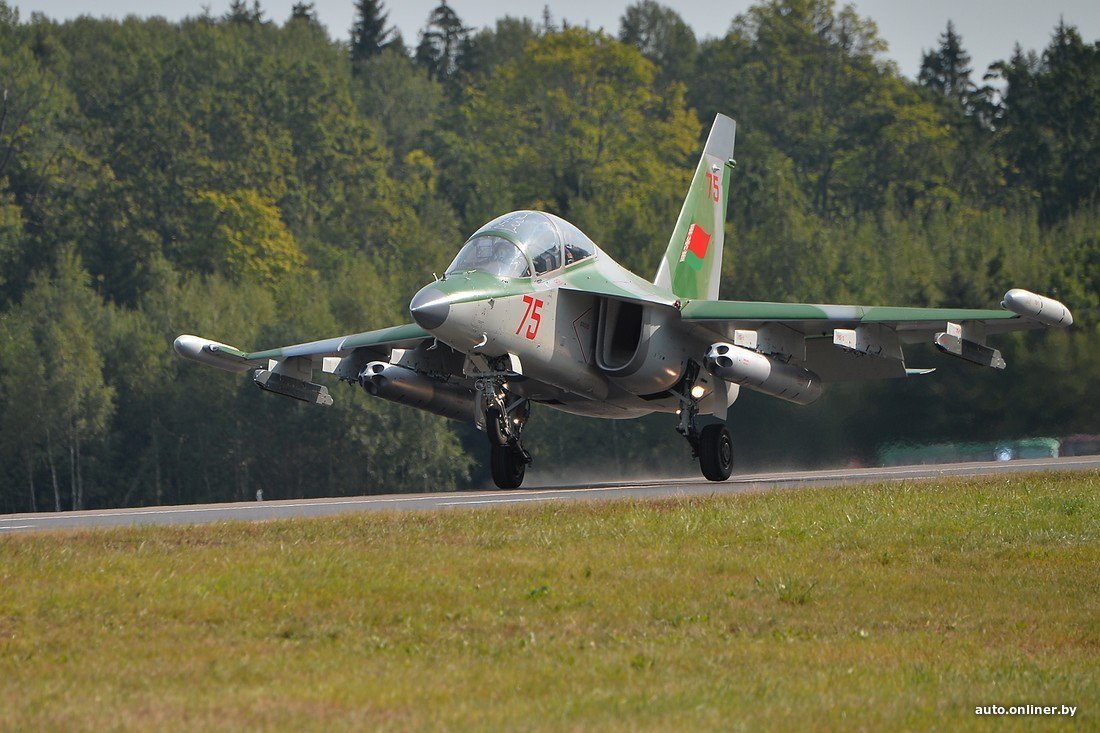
(532,311)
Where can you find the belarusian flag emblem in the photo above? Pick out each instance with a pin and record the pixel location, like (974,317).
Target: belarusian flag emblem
(695,247)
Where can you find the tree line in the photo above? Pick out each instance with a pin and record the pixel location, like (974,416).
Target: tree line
(264,183)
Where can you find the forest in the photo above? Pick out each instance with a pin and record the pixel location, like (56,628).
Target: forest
(260,182)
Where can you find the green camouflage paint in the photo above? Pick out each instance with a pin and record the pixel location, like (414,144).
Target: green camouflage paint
(692,263)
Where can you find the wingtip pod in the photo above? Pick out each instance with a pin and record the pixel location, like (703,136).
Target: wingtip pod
(211,353)
(1039,307)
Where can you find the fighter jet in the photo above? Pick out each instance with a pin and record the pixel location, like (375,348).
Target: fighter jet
(532,311)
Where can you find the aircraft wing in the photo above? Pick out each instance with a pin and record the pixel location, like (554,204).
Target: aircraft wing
(378,360)
(384,339)
(852,342)
(288,370)
(379,343)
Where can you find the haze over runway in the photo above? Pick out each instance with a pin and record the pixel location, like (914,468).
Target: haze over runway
(988,30)
(656,489)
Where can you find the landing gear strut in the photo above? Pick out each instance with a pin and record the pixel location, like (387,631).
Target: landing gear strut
(712,446)
(505,417)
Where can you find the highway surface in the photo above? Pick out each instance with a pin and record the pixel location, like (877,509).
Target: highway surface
(253,511)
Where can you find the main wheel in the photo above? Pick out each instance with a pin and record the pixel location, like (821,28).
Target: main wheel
(508,466)
(716,452)
(495,428)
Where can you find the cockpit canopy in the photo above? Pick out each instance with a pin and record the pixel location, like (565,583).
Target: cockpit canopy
(522,242)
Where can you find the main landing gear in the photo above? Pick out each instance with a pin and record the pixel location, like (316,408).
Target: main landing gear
(505,417)
(712,445)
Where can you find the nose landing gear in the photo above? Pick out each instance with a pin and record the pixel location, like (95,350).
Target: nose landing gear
(505,417)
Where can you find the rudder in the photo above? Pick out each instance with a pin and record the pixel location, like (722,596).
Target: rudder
(692,265)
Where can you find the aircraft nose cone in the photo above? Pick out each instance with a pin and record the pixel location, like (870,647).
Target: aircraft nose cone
(429,308)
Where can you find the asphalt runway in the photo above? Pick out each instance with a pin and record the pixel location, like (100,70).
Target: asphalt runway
(266,510)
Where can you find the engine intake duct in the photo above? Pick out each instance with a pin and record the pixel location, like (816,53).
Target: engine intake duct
(763,373)
(404,386)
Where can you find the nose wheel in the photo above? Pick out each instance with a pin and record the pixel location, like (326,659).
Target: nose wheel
(505,417)
(509,463)
(496,427)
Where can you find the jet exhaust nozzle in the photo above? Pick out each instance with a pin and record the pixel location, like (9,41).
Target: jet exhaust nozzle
(406,387)
(763,373)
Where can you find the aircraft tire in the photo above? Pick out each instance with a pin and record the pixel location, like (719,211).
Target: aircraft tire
(494,428)
(716,452)
(508,466)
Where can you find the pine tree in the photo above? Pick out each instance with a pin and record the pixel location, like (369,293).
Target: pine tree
(239,12)
(1049,121)
(441,42)
(947,69)
(304,11)
(369,35)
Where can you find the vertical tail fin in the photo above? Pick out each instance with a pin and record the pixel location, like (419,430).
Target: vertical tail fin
(692,265)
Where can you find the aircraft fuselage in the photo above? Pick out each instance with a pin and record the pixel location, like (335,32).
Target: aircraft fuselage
(576,351)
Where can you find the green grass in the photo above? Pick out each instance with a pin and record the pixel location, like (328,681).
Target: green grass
(881,607)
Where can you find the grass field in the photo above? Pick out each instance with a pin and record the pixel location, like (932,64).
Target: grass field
(900,606)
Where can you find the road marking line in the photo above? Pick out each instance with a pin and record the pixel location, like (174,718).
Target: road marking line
(498,501)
